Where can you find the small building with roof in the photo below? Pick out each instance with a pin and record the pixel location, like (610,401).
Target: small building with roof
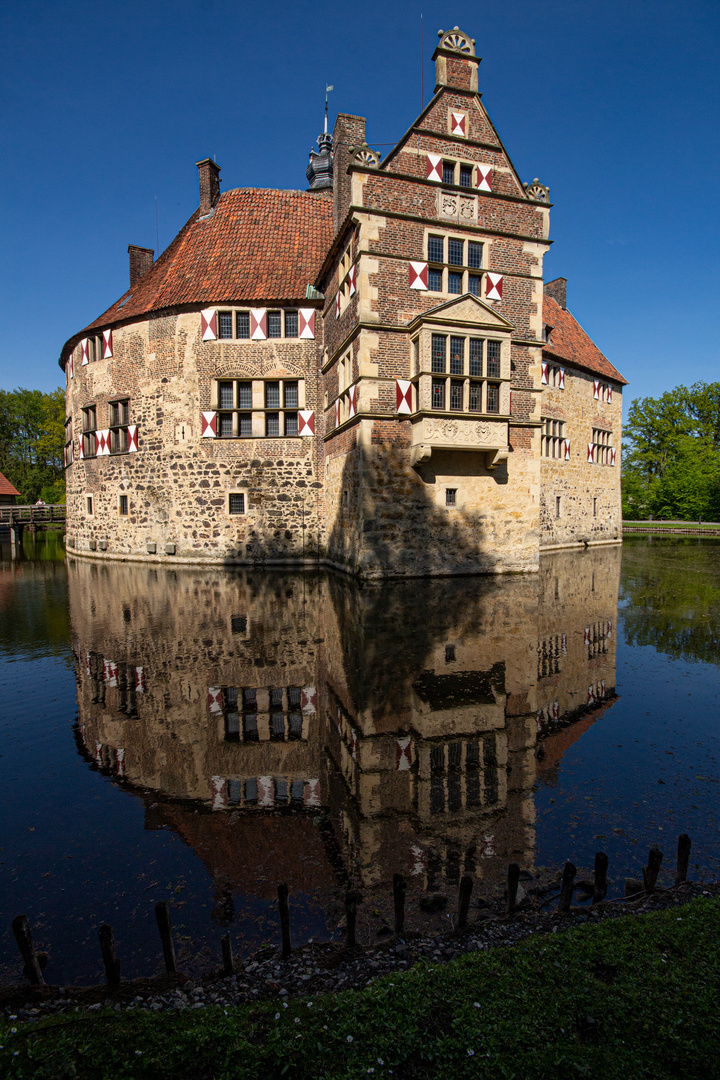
(9,494)
(369,372)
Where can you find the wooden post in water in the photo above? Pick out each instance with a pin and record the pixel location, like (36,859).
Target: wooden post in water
(162,918)
(466,887)
(21,930)
(351,902)
(513,880)
(399,888)
(683,858)
(566,889)
(284,919)
(600,886)
(107,948)
(651,871)
(228,965)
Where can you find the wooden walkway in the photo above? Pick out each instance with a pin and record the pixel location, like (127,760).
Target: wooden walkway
(33,517)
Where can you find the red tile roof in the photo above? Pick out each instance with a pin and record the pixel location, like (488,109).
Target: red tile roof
(258,244)
(568,341)
(6,488)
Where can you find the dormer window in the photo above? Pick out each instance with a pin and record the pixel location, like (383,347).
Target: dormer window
(547,333)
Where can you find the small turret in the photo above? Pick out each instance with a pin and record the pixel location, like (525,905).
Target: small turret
(320,170)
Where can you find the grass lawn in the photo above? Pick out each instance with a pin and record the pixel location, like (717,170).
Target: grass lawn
(626,998)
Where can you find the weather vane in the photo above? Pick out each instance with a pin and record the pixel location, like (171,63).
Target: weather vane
(327,91)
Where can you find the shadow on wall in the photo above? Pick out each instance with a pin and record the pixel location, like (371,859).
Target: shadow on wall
(387,523)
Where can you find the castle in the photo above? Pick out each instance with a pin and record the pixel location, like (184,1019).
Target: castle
(368,373)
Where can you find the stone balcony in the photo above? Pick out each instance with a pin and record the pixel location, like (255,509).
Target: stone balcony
(477,434)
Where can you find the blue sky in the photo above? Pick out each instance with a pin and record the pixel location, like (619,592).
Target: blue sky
(106,106)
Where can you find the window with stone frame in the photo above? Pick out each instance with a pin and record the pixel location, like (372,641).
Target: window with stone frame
(477,360)
(347,277)
(553,438)
(455,265)
(258,408)
(119,415)
(233,324)
(89,415)
(602,446)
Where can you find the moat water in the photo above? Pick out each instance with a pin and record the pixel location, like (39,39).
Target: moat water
(200,735)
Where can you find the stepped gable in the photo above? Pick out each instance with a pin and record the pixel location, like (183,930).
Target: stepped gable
(570,342)
(256,244)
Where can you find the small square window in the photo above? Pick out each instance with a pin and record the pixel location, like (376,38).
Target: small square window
(456,395)
(291,423)
(272,425)
(436,249)
(438,393)
(226,395)
(448,172)
(272,395)
(454,283)
(474,285)
(475,397)
(291,324)
(236,502)
(493,398)
(225,324)
(466,176)
(274,324)
(244,395)
(226,425)
(475,255)
(290,395)
(242,323)
(434,280)
(123,505)
(245,426)
(455,252)
(450,500)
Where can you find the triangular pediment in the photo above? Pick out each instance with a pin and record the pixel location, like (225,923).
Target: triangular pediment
(465,310)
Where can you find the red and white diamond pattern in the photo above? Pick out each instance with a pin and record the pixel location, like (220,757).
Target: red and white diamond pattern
(306,318)
(351,280)
(306,423)
(110,672)
(352,400)
(596,388)
(458,123)
(494,286)
(219,792)
(608,628)
(403,753)
(337,305)
(586,636)
(132,438)
(403,396)
(208,319)
(567,449)
(209,425)
(258,324)
(81,449)
(555,710)
(102,443)
(591,695)
(311,793)
(70,367)
(337,412)
(484,177)
(612,455)
(308,699)
(609,394)
(84,351)
(590,453)
(418,275)
(561,378)
(107,344)
(544,373)
(434,167)
(139,680)
(214,699)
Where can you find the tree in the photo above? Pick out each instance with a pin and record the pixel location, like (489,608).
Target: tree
(32,440)
(671,462)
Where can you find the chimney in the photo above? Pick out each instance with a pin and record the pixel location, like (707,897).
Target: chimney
(209,176)
(455,61)
(558,290)
(348,131)
(141,260)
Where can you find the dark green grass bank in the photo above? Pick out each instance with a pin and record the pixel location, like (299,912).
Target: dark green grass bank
(627,998)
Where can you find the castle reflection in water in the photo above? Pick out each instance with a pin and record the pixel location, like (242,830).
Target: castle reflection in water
(295,727)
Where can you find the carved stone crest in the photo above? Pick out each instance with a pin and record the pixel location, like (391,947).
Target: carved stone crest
(448,205)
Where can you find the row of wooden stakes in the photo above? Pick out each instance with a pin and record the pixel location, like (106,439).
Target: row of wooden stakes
(35,962)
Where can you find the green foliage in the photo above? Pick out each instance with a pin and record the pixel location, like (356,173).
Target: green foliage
(671,462)
(32,441)
(632,997)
